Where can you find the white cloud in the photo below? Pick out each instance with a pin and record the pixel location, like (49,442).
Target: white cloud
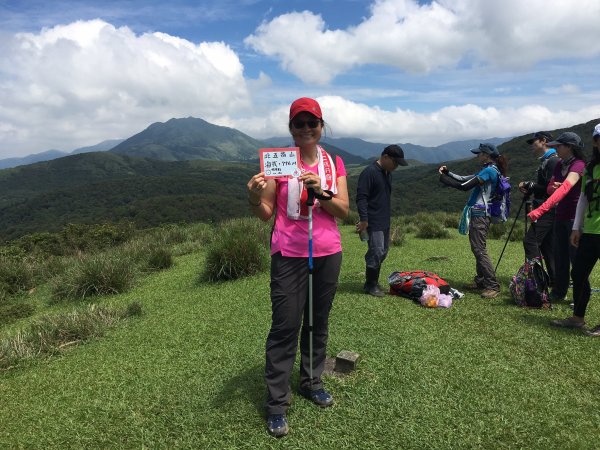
(419,38)
(568,89)
(81,83)
(350,119)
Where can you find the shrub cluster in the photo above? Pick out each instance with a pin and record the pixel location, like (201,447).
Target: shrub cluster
(51,334)
(16,276)
(240,250)
(97,274)
(75,238)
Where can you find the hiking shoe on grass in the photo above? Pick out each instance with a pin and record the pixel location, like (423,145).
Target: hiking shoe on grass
(490,293)
(319,396)
(594,331)
(557,298)
(569,322)
(277,425)
(375,291)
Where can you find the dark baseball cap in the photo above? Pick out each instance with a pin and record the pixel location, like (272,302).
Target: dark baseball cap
(490,149)
(540,135)
(396,153)
(568,138)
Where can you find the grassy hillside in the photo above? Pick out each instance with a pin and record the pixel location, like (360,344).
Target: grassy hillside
(94,187)
(189,372)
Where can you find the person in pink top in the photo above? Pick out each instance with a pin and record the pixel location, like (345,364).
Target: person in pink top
(286,198)
(564,189)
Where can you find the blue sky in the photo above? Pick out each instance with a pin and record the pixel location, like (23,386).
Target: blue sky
(74,73)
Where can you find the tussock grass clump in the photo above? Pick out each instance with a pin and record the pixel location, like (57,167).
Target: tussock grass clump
(98,274)
(497,230)
(518,233)
(15,311)
(240,250)
(433,230)
(397,235)
(51,334)
(16,275)
(500,231)
(82,237)
(159,258)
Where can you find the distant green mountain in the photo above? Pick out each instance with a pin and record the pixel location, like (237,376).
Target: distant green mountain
(96,187)
(101,147)
(187,139)
(445,152)
(30,159)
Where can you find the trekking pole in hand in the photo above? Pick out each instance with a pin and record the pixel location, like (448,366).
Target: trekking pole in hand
(525,198)
(310,202)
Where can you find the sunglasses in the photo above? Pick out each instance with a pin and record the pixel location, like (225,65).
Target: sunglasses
(299,124)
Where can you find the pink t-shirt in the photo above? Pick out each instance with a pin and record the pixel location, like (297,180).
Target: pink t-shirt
(290,237)
(565,210)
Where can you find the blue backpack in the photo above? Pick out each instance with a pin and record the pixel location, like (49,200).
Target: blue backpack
(499,205)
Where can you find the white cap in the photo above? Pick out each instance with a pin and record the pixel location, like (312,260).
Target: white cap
(596,131)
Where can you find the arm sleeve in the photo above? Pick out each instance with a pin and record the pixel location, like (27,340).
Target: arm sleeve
(582,205)
(556,197)
(464,186)
(460,178)
(362,195)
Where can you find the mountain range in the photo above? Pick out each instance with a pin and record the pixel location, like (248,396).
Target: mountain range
(113,185)
(193,138)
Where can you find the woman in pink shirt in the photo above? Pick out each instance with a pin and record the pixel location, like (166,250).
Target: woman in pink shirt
(286,198)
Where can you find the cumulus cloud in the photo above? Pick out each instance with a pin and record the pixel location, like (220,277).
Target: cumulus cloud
(421,37)
(346,118)
(87,81)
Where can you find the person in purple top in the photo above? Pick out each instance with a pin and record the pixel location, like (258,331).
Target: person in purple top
(564,189)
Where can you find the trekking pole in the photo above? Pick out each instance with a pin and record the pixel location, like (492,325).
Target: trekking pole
(511,230)
(310,202)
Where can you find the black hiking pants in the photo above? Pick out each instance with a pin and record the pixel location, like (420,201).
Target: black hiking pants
(289,304)
(564,256)
(588,253)
(539,241)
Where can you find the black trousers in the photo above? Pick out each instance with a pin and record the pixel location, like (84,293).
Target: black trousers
(289,304)
(588,253)
(564,256)
(540,239)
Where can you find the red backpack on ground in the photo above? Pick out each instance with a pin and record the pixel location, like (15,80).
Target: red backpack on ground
(411,284)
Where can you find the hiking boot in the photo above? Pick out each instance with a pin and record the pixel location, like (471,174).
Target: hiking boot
(569,322)
(319,396)
(277,425)
(371,286)
(490,293)
(594,331)
(374,290)
(557,298)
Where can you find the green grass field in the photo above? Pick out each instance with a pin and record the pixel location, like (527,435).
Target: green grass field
(188,373)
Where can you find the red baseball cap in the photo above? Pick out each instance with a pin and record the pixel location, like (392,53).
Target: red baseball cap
(305,104)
